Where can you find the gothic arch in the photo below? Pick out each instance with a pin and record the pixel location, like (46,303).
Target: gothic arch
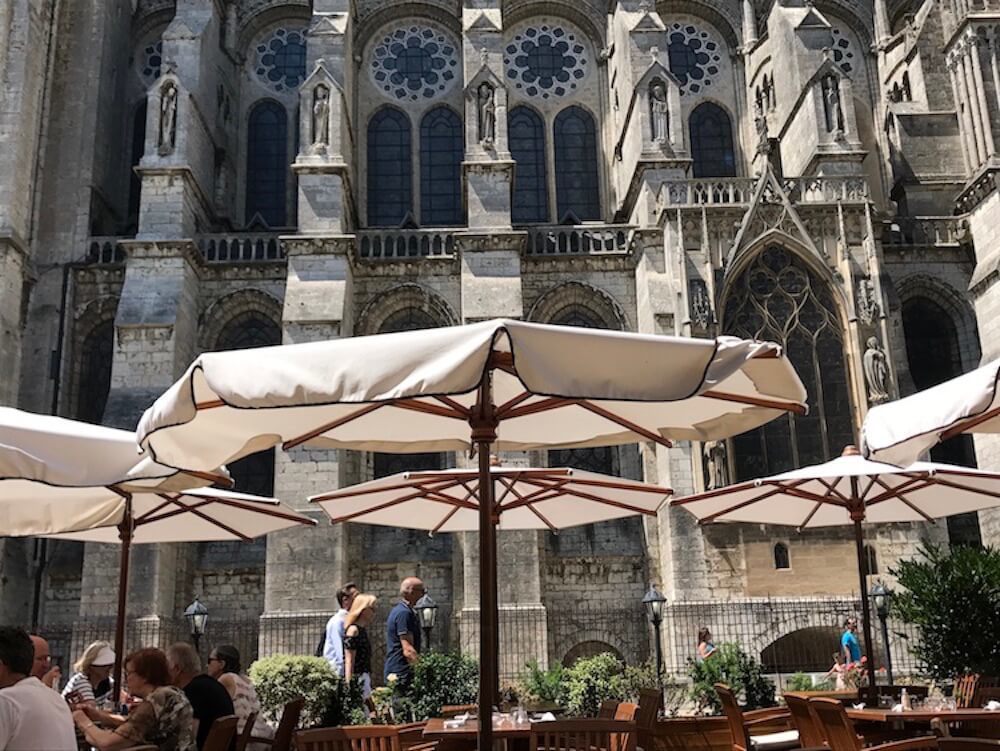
(516,11)
(223,311)
(557,301)
(90,321)
(393,12)
(957,307)
(713,13)
(378,311)
(271,14)
(590,648)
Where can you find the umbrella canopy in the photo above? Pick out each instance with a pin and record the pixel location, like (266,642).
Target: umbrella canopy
(496,385)
(901,431)
(524,498)
(850,490)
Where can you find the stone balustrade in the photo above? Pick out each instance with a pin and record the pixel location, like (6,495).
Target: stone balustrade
(944,231)
(826,189)
(105,250)
(396,244)
(960,10)
(241,247)
(601,239)
(716,191)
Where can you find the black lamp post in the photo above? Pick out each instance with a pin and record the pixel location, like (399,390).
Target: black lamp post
(881,596)
(654,601)
(197,618)
(427,611)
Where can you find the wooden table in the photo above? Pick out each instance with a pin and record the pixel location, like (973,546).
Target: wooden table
(466,735)
(922,715)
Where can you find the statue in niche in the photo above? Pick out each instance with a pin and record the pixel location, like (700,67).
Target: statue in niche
(876,367)
(659,112)
(716,466)
(487,111)
(167,135)
(760,125)
(321,116)
(868,307)
(831,104)
(701,305)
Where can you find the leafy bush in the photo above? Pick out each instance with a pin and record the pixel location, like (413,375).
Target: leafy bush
(952,596)
(441,678)
(542,686)
(346,706)
(742,673)
(799,682)
(592,680)
(283,678)
(636,678)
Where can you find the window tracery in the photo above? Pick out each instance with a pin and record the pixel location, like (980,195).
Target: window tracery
(151,61)
(280,59)
(695,57)
(843,50)
(414,62)
(390,168)
(546,60)
(267,164)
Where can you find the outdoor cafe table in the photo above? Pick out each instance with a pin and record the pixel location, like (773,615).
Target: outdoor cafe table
(922,715)
(465,736)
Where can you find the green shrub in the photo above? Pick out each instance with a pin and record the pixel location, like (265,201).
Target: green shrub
(542,686)
(592,680)
(799,682)
(283,678)
(346,706)
(742,673)
(441,678)
(952,596)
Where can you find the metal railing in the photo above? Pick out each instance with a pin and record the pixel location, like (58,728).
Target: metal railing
(560,239)
(395,244)
(241,247)
(925,230)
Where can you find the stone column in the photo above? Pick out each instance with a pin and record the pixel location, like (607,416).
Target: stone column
(965,72)
(964,127)
(968,131)
(749,25)
(882,33)
(984,111)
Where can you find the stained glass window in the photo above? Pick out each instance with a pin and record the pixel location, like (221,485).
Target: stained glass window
(545,61)
(695,57)
(96,355)
(778,298)
(526,135)
(390,168)
(577,180)
(281,59)
(267,164)
(712,142)
(442,149)
(415,61)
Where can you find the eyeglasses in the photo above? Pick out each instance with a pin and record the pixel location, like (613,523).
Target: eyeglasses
(43,658)
(215,659)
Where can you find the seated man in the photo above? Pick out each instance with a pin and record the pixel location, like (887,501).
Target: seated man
(33,717)
(209,698)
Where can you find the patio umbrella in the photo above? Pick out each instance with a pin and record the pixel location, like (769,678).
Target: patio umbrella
(850,489)
(503,385)
(523,498)
(900,432)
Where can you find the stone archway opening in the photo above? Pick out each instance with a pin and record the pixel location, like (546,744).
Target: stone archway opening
(806,650)
(589,649)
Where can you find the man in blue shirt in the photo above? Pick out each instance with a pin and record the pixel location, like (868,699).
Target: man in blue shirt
(849,643)
(402,633)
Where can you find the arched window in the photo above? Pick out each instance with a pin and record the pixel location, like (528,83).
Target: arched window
(267,164)
(577,182)
(442,149)
(778,298)
(138,147)
(390,168)
(871,561)
(712,142)
(96,354)
(526,135)
(781,560)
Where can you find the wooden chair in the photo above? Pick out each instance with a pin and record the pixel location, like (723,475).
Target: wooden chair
(608,709)
(841,736)
(967,744)
(357,738)
(650,701)
(740,725)
(411,737)
(964,690)
(583,735)
(243,738)
(626,711)
(220,735)
(282,740)
(810,732)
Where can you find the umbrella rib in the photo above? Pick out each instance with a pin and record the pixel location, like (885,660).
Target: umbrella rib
(637,487)
(810,515)
(871,482)
(742,504)
(542,405)
(832,488)
(552,527)
(444,521)
(534,496)
(619,420)
(970,423)
(205,517)
(415,405)
(898,494)
(756,401)
(141,518)
(938,480)
(502,410)
(891,493)
(447,400)
(588,497)
(367,409)
(335,495)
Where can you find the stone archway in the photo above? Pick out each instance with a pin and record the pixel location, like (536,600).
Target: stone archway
(589,649)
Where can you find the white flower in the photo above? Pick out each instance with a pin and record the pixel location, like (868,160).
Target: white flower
(391,678)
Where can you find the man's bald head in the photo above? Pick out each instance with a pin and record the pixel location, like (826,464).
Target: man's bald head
(42,657)
(411,589)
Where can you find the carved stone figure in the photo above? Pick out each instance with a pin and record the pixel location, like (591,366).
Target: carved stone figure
(760,125)
(321,116)
(716,466)
(659,112)
(831,104)
(167,135)
(701,306)
(867,306)
(876,366)
(486,99)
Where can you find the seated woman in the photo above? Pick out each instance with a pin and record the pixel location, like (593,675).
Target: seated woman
(92,669)
(163,718)
(224,665)
(357,645)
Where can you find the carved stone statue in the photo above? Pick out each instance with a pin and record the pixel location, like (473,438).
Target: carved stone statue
(167,135)
(876,366)
(831,104)
(716,466)
(760,125)
(487,109)
(701,306)
(867,306)
(659,112)
(321,116)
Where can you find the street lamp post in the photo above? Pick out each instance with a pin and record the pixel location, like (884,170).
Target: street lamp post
(654,601)
(427,611)
(197,618)
(881,596)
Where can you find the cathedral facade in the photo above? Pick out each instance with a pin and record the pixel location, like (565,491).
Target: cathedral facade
(188,175)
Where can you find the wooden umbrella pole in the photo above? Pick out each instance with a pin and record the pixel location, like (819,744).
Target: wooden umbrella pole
(125,530)
(857,516)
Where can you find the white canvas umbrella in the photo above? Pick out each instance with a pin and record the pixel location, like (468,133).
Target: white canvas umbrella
(850,490)
(900,432)
(524,498)
(503,385)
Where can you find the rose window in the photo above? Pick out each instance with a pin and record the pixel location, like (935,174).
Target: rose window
(843,51)
(150,61)
(695,57)
(281,59)
(413,62)
(547,61)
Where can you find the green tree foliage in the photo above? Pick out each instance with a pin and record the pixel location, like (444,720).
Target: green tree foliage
(952,596)
(542,686)
(284,678)
(592,680)
(440,679)
(742,673)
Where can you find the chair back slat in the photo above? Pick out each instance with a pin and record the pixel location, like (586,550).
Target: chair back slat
(965,690)
(243,738)
(810,733)
(355,738)
(837,728)
(626,711)
(220,735)
(734,717)
(650,701)
(608,709)
(287,725)
(583,735)
(967,744)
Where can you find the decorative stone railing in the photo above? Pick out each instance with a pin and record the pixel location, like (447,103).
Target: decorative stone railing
(962,9)
(583,240)
(241,247)
(721,191)
(396,244)
(105,250)
(826,189)
(945,231)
